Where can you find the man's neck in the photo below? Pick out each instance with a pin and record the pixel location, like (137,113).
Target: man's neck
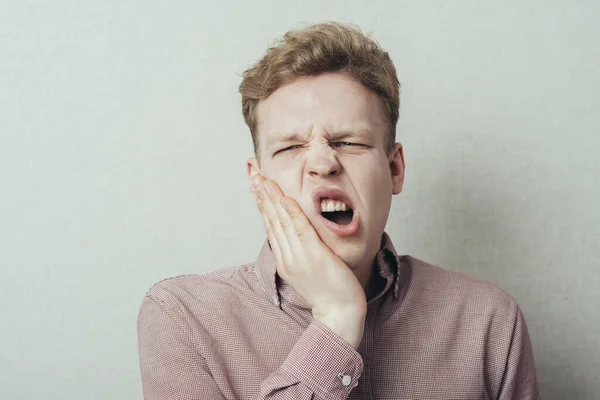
(371,281)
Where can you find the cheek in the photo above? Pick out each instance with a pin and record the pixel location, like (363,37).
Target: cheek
(288,182)
(376,186)
(374,174)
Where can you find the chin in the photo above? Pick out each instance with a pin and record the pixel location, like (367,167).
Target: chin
(351,250)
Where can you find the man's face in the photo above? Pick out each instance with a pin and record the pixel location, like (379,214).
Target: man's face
(328,132)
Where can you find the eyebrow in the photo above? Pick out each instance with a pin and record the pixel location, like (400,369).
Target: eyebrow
(333,137)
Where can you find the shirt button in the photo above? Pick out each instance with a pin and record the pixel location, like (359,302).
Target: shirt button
(346,379)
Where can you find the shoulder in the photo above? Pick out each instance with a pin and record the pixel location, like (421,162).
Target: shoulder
(457,290)
(197,292)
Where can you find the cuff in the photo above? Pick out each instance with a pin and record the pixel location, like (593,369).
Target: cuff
(324,362)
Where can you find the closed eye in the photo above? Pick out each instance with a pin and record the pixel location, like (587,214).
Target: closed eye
(336,144)
(345,144)
(290,148)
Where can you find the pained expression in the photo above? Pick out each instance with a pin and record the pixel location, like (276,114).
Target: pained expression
(329,131)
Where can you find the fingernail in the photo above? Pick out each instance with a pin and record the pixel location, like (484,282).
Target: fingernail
(267,187)
(256,183)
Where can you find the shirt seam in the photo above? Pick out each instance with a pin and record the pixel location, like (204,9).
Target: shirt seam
(509,352)
(185,325)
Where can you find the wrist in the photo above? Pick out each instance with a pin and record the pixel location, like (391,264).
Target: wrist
(347,324)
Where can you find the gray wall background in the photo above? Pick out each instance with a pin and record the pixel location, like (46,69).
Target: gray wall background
(122,162)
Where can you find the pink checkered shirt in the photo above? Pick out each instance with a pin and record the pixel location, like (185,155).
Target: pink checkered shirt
(241,333)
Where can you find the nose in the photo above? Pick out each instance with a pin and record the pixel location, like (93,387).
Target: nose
(322,162)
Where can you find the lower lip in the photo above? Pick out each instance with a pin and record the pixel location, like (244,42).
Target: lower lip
(343,230)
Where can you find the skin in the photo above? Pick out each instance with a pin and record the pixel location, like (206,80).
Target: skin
(331,274)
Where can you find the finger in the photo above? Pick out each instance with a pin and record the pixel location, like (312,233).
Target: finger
(271,235)
(294,222)
(255,184)
(275,195)
(273,211)
(304,230)
(258,195)
(275,233)
(284,221)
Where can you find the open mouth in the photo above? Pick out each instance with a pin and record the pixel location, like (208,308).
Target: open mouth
(339,217)
(336,211)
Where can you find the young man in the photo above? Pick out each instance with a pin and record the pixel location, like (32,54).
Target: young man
(329,310)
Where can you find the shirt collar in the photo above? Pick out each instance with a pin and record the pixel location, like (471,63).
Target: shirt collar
(387,262)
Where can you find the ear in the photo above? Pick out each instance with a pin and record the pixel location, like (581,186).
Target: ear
(252,169)
(397,167)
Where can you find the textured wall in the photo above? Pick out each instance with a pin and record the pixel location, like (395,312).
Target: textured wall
(122,162)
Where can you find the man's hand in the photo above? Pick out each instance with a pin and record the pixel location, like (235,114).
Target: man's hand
(321,279)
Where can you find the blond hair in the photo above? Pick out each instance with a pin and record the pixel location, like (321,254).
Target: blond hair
(316,49)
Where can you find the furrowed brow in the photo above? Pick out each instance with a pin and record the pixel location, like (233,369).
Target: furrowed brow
(283,138)
(358,133)
(333,136)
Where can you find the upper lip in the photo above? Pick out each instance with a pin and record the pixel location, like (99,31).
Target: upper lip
(331,193)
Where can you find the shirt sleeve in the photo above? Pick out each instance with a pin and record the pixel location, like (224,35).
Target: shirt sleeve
(321,365)
(170,365)
(324,362)
(520,379)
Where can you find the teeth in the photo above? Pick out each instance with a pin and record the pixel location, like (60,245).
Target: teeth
(328,205)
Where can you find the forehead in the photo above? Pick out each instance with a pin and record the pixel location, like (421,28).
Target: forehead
(333,101)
